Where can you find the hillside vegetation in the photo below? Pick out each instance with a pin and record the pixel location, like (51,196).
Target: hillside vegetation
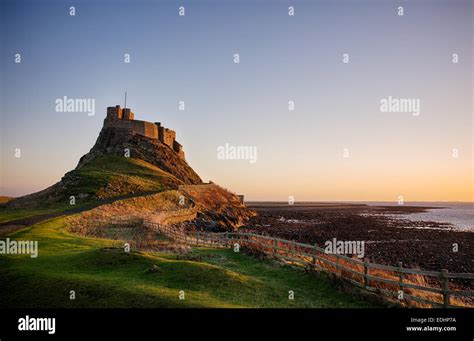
(104,177)
(81,251)
(106,277)
(110,176)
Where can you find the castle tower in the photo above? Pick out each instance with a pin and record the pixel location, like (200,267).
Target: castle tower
(127,114)
(114,113)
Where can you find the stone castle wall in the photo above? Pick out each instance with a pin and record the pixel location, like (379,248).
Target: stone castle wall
(123,119)
(144,128)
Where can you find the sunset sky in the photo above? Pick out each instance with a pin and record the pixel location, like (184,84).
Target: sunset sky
(282,58)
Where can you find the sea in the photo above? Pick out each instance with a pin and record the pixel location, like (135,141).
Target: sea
(459,214)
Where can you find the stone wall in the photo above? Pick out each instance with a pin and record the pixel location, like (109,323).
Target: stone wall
(144,128)
(178,148)
(166,136)
(123,119)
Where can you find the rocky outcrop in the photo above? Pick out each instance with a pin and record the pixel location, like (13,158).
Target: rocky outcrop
(131,174)
(217,208)
(120,142)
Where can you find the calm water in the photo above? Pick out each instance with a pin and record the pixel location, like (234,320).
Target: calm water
(459,214)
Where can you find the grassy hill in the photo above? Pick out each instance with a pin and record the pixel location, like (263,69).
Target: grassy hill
(106,185)
(107,277)
(108,176)
(105,177)
(103,275)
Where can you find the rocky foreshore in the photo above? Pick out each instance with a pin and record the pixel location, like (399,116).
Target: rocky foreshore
(388,239)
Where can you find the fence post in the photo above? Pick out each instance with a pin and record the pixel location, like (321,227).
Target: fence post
(274,248)
(314,262)
(366,272)
(289,248)
(400,275)
(444,274)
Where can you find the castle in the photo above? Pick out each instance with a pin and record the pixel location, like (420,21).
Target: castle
(123,119)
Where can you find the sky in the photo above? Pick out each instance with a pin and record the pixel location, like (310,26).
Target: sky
(336,145)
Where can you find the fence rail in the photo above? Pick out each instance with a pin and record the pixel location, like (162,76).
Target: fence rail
(311,257)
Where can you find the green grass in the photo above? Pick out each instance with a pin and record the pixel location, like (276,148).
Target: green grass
(105,277)
(110,169)
(105,177)
(8,214)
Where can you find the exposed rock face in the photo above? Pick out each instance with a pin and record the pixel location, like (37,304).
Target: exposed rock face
(117,142)
(217,208)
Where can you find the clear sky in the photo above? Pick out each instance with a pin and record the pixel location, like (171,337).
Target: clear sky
(282,58)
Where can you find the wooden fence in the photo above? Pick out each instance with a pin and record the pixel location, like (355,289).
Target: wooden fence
(310,257)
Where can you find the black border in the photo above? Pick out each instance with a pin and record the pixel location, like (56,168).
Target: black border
(312,324)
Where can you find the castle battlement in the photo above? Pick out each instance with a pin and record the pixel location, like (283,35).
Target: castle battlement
(124,119)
